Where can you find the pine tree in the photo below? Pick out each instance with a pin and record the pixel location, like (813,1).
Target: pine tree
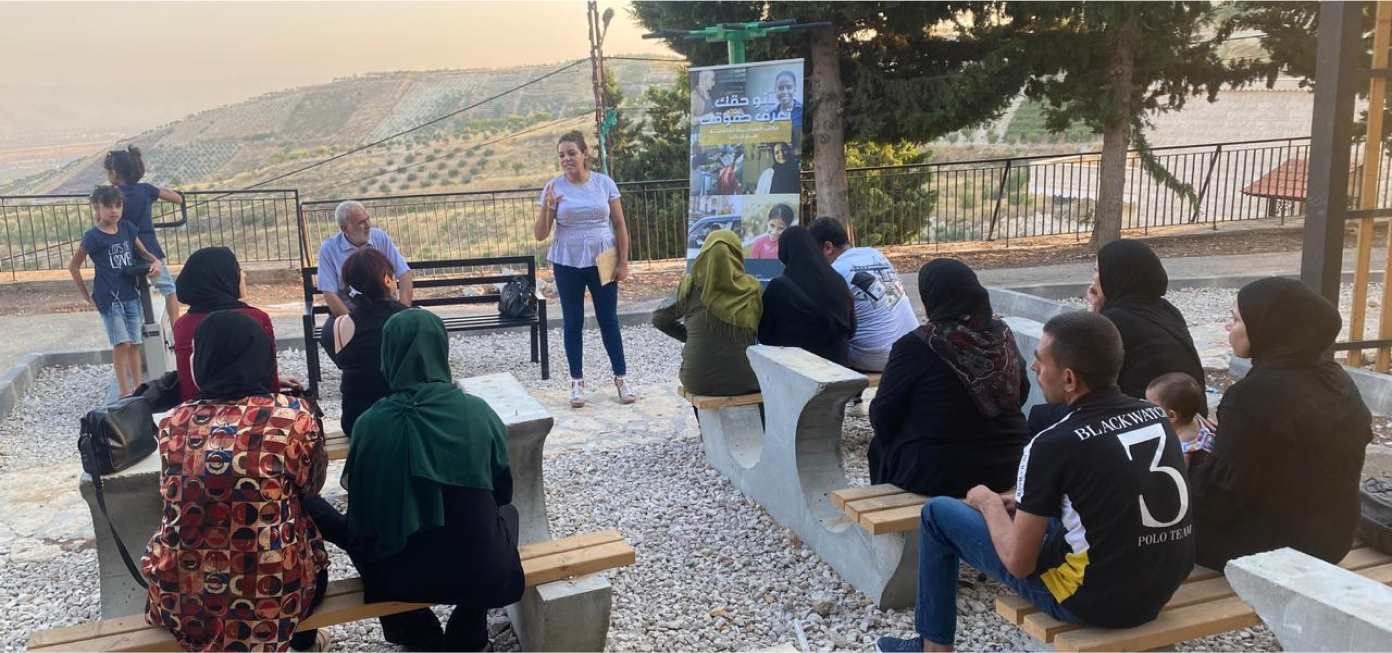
(884,71)
(1111,66)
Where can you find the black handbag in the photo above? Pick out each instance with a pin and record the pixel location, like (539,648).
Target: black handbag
(113,438)
(517,300)
(162,393)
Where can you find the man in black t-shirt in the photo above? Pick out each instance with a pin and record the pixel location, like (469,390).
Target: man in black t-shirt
(1101,533)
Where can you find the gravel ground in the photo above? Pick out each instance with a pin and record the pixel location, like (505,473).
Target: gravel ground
(714,572)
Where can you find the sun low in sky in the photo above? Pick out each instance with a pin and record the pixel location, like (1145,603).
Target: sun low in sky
(142,63)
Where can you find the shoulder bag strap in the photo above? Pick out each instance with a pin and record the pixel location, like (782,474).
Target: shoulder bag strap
(120,546)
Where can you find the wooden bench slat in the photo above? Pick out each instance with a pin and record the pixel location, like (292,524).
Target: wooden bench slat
(1014,608)
(894,520)
(712,401)
(552,547)
(542,562)
(546,569)
(887,502)
(1045,628)
(1180,625)
(88,633)
(840,498)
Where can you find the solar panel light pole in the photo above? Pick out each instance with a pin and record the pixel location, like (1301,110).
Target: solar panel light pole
(735,35)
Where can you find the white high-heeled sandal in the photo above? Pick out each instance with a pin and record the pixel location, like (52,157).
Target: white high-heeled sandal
(626,394)
(577,393)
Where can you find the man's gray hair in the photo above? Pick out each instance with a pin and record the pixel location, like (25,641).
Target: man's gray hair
(345,209)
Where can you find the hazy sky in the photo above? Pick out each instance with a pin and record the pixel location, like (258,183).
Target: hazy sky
(189,56)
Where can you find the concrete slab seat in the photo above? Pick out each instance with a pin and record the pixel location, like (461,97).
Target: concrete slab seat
(570,615)
(1311,605)
(1205,605)
(713,401)
(542,562)
(792,467)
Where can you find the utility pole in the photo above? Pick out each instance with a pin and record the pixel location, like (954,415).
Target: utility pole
(605,117)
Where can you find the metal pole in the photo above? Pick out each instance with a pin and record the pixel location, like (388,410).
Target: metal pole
(596,75)
(1000,195)
(735,48)
(1336,75)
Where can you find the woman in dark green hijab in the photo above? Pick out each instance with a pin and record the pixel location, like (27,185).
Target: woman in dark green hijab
(429,514)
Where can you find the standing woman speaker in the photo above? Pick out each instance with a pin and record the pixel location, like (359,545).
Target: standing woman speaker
(590,250)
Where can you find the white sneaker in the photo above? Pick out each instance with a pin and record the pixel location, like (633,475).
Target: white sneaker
(857,408)
(577,393)
(626,394)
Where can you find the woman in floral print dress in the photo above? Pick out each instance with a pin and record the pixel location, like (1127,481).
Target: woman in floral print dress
(236,565)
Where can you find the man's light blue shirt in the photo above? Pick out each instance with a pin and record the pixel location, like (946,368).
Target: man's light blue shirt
(337,249)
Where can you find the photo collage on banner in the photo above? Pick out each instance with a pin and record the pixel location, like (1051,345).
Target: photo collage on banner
(746,136)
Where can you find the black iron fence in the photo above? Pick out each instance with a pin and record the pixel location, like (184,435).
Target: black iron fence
(961,201)
(41,232)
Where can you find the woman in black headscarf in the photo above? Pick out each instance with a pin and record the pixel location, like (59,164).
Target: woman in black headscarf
(237,463)
(947,413)
(1128,288)
(809,305)
(1286,463)
(211,280)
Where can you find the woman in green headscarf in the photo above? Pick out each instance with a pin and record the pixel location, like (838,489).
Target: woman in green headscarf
(716,313)
(429,517)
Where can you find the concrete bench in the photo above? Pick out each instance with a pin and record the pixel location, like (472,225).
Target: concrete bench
(792,465)
(543,563)
(1312,605)
(567,615)
(1205,605)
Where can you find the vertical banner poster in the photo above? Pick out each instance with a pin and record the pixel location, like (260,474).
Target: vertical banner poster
(746,136)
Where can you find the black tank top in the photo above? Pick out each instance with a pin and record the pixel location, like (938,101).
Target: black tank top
(361,359)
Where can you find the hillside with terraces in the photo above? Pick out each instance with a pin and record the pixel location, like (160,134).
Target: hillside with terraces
(238,145)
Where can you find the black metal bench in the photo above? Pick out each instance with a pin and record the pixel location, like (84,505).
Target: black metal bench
(455,274)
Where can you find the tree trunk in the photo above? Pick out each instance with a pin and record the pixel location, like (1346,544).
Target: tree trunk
(829,131)
(1116,139)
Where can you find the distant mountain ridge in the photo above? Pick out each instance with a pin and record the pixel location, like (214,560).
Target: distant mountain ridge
(227,145)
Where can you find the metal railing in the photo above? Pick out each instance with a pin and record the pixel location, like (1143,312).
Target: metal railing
(983,200)
(41,232)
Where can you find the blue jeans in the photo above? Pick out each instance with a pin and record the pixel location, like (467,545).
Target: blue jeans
(570,284)
(952,531)
(123,320)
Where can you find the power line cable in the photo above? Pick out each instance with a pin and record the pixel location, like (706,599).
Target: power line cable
(450,155)
(422,125)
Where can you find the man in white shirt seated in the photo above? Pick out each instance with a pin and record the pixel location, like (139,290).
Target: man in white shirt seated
(883,311)
(356,232)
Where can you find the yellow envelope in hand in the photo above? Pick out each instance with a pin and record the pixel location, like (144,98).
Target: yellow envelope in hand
(607,261)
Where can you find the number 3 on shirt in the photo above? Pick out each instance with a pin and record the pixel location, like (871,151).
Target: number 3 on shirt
(1157,433)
